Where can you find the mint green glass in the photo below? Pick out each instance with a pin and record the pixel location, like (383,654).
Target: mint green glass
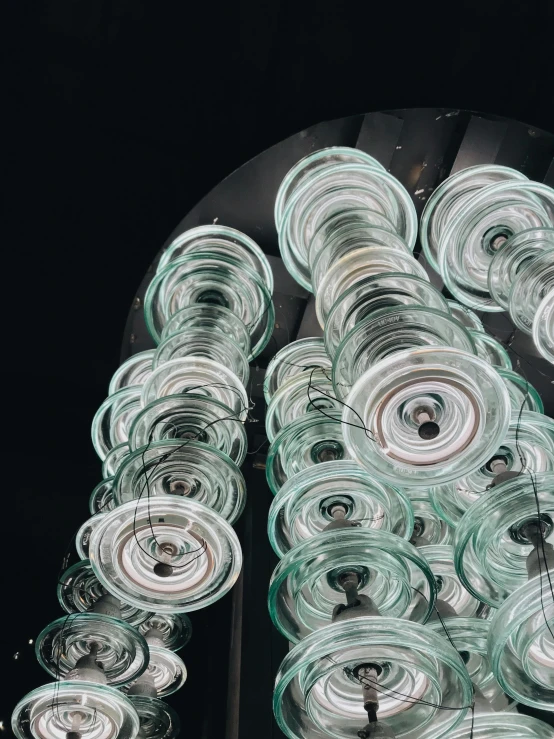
(111,423)
(465,316)
(302,507)
(175,629)
(491,350)
(543,327)
(429,527)
(522,394)
(157,719)
(132,372)
(293,359)
(114,459)
(317,694)
(440,558)
(166,670)
(101,498)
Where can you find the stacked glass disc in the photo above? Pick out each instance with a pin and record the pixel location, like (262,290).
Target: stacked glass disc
(160,541)
(371,429)
(489,232)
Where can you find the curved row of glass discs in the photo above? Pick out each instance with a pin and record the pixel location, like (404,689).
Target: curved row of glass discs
(160,541)
(401,447)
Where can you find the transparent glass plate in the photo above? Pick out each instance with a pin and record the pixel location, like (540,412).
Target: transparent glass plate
(166,670)
(294,359)
(543,327)
(111,423)
(134,371)
(113,460)
(101,498)
(157,719)
(429,528)
(449,588)
(175,629)
(465,316)
(522,394)
(501,725)
(490,350)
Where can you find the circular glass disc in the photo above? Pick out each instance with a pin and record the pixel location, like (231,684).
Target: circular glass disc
(113,460)
(111,423)
(490,350)
(101,498)
(522,394)
(157,719)
(304,505)
(121,650)
(318,694)
(491,547)
(501,725)
(461,396)
(188,469)
(134,371)
(82,538)
(465,316)
(176,629)
(53,710)
(79,589)
(543,327)
(167,671)
(305,586)
(294,359)
(166,554)
(429,528)
(449,588)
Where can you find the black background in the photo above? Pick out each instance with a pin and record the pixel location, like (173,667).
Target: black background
(120,115)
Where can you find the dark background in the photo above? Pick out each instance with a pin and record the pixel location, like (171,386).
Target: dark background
(120,115)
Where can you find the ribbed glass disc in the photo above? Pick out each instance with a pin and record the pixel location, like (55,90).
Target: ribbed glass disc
(449,588)
(312,439)
(522,393)
(491,548)
(390,330)
(176,629)
(214,280)
(451,196)
(347,239)
(157,719)
(491,350)
(192,417)
(294,359)
(101,498)
(305,586)
(166,554)
(183,469)
(334,190)
(460,393)
(429,528)
(114,459)
(82,538)
(113,419)
(528,446)
(209,344)
(534,281)
(53,710)
(501,725)
(121,650)
(543,327)
(315,162)
(221,241)
(79,589)
(166,669)
(303,507)
(318,694)
(372,293)
(310,392)
(481,227)
(201,377)
(357,266)
(512,257)
(465,316)
(521,646)
(470,639)
(210,318)
(134,371)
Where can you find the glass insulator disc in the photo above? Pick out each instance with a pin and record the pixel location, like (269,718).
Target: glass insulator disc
(356,267)
(223,241)
(501,725)
(111,423)
(166,554)
(199,376)
(182,469)
(375,292)
(317,692)
(487,220)
(465,316)
(190,417)
(449,588)
(429,528)
(294,359)
(463,396)
(82,538)
(470,639)
(313,439)
(121,650)
(451,196)
(522,394)
(54,710)
(79,589)
(113,460)
(167,671)
(305,586)
(543,327)
(491,548)
(201,278)
(157,719)
(528,446)
(533,283)
(390,330)
(521,645)
(303,506)
(176,629)
(134,371)
(490,350)
(101,498)
(310,392)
